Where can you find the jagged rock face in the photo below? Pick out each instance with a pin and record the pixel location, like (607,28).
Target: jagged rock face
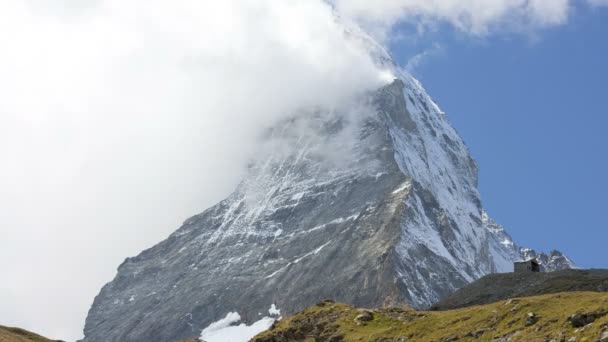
(554,261)
(375,205)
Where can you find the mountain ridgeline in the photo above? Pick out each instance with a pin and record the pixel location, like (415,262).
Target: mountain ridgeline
(375,206)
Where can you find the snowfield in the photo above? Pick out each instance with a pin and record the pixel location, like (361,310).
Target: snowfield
(227,330)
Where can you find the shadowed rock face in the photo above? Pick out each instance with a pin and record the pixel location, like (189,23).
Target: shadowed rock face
(374,205)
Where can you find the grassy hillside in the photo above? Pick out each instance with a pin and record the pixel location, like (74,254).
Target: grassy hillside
(574,316)
(19,335)
(495,287)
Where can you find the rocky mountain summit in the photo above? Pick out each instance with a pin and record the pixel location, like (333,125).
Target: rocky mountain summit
(554,261)
(375,204)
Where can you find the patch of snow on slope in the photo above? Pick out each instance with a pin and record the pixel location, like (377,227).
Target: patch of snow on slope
(273,311)
(226,330)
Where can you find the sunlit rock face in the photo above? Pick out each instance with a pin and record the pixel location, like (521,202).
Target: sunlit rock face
(374,204)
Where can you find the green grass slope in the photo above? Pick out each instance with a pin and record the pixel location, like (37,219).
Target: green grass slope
(495,287)
(573,316)
(8,334)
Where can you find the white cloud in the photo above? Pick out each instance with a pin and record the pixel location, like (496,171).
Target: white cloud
(476,17)
(415,61)
(119,119)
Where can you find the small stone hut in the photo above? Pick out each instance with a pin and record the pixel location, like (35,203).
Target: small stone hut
(531,265)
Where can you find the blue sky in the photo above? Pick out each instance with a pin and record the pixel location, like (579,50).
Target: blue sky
(532,110)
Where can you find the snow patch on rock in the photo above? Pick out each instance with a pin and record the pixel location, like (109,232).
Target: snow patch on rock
(227,330)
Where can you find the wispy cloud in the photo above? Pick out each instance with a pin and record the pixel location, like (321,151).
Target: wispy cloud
(475,17)
(417,60)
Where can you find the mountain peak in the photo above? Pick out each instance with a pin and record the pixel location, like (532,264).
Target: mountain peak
(375,204)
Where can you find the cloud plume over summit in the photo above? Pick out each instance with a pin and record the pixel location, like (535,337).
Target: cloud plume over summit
(474,17)
(119,119)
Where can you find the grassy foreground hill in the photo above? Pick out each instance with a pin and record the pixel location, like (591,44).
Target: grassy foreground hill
(573,316)
(19,335)
(495,287)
